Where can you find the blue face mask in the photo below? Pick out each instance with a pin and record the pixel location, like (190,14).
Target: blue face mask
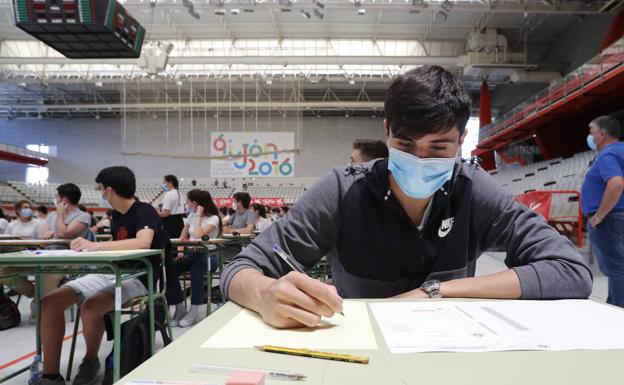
(26,213)
(164,187)
(590,142)
(419,178)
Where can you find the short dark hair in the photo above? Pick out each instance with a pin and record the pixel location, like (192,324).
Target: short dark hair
(83,208)
(119,178)
(371,148)
(609,124)
(426,100)
(173,180)
(69,191)
(19,204)
(243,198)
(43,209)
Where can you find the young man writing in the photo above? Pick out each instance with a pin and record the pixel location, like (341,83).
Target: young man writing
(134,225)
(411,225)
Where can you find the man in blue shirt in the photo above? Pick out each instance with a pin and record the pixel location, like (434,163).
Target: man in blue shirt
(602,201)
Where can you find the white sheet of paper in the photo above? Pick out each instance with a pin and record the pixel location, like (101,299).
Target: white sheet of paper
(247,329)
(481,326)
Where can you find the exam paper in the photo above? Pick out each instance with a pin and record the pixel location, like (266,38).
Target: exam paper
(247,329)
(482,326)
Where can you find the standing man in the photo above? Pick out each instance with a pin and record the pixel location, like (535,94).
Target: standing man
(602,202)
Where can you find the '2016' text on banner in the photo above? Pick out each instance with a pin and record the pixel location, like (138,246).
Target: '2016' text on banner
(252,154)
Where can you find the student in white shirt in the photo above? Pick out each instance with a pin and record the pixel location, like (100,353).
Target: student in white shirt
(172,207)
(25,225)
(28,227)
(105,223)
(204,220)
(4,223)
(262,222)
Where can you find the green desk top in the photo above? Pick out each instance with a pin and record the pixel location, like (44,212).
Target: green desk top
(509,368)
(18,258)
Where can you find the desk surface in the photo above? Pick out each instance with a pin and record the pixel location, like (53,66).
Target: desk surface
(521,368)
(198,242)
(90,257)
(8,236)
(239,236)
(34,242)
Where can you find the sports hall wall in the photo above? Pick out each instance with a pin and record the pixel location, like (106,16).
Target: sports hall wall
(84,146)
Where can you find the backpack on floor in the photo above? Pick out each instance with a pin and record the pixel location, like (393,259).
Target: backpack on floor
(135,346)
(9,313)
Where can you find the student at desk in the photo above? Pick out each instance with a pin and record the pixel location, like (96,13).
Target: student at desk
(411,225)
(134,225)
(26,226)
(67,222)
(243,221)
(203,220)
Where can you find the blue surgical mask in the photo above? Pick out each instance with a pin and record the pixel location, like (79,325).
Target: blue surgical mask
(105,203)
(590,142)
(164,187)
(419,178)
(26,213)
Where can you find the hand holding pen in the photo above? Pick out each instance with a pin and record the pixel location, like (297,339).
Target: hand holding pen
(295,299)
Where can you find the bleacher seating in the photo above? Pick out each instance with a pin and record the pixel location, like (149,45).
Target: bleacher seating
(44,194)
(289,193)
(553,174)
(8,195)
(215,192)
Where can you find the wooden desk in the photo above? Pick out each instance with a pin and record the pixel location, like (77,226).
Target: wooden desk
(509,368)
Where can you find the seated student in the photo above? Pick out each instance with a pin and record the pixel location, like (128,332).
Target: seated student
(262,223)
(25,225)
(243,220)
(104,224)
(409,226)
(4,222)
(365,150)
(67,222)
(41,213)
(203,220)
(135,225)
(28,227)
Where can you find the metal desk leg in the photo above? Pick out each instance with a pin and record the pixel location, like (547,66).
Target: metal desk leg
(209,283)
(150,293)
(117,325)
(37,299)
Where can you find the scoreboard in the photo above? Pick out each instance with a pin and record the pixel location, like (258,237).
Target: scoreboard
(81,29)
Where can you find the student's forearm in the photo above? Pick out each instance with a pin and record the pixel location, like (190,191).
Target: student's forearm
(127,244)
(500,285)
(246,288)
(245,230)
(610,198)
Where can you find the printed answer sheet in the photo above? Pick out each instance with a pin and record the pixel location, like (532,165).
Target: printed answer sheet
(453,326)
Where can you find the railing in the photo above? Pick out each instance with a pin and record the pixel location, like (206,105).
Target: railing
(22,151)
(596,68)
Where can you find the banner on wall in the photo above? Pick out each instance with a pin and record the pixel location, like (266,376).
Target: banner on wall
(538,201)
(271,202)
(258,154)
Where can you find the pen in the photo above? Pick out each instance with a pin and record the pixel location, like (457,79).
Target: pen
(289,260)
(275,374)
(314,354)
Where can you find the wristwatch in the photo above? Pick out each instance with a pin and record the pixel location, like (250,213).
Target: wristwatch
(432,287)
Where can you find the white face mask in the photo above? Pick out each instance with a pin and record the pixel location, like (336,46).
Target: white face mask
(235,206)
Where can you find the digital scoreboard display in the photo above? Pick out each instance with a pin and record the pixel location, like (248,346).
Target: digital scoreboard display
(81,29)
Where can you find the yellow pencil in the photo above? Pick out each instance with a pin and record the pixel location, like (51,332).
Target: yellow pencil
(314,354)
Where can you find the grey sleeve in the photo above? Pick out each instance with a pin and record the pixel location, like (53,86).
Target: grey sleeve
(307,233)
(547,263)
(251,217)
